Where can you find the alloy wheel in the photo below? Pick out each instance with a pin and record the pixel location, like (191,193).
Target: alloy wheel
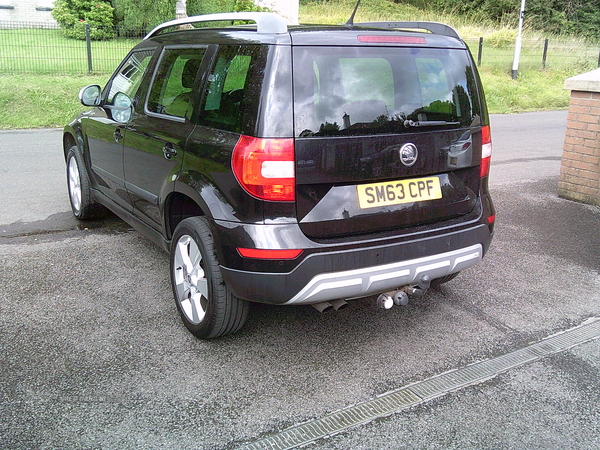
(191,284)
(74,184)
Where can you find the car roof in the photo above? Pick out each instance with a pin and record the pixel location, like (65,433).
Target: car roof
(269,28)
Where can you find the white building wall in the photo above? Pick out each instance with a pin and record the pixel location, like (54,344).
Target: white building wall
(287,8)
(26,11)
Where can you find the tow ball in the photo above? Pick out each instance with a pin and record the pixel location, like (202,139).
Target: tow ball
(401,296)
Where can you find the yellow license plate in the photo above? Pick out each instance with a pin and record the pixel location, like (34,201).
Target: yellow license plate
(398,192)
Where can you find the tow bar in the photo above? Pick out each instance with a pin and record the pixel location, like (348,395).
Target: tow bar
(401,296)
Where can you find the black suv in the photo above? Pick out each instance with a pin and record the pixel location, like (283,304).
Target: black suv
(291,164)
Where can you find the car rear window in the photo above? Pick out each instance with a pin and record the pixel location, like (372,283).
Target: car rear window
(377,90)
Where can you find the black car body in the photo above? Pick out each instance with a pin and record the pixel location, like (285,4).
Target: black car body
(291,165)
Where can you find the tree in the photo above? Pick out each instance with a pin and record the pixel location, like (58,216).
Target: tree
(140,16)
(195,7)
(572,16)
(74,15)
(554,16)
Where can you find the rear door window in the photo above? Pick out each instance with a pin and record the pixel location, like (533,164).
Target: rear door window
(171,93)
(368,90)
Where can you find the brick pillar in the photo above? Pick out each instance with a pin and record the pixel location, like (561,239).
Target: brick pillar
(579,177)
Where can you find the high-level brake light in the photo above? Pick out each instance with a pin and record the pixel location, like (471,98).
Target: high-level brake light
(409,40)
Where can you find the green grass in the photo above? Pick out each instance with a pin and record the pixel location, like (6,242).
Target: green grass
(339,11)
(533,91)
(41,73)
(48,70)
(40,101)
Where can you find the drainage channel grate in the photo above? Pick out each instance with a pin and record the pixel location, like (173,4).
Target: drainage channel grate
(423,391)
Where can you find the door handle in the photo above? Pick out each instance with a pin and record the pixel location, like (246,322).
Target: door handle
(169,151)
(118,135)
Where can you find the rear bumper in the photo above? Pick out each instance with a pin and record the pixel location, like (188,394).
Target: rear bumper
(377,279)
(327,272)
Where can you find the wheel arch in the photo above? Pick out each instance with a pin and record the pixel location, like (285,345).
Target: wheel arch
(180,206)
(196,197)
(68,142)
(72,136)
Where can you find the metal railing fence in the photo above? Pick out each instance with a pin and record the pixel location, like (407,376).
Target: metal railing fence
(536,54)
(42,48)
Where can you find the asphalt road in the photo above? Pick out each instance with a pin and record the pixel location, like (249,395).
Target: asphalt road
(93,354)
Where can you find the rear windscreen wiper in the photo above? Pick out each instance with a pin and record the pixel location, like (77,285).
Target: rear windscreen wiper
(428,123)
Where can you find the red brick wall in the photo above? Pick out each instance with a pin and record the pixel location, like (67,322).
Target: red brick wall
(579,178)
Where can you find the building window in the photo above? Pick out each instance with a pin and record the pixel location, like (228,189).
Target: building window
(45,5)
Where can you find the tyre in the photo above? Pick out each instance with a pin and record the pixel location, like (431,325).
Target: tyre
(441,280)
(207,307)
(78,183)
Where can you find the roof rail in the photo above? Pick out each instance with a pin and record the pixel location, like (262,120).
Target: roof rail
(268,23)
(433,27)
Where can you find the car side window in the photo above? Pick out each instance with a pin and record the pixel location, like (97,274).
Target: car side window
(227,87)
(128,78)
(171,93)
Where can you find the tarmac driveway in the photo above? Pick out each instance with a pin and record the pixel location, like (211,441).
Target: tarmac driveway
(93,354)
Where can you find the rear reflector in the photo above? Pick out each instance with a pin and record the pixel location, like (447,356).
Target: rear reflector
(486,151)
(392,40)
(491,219)
(268,254)
(265,168)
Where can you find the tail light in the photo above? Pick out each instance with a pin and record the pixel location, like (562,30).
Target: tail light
(265,168)
(486,151)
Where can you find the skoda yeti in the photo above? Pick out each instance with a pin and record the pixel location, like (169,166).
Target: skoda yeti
(290,164)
